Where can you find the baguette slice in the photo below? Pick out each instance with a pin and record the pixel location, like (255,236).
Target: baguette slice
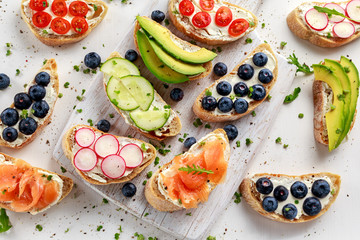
(55,40)
(67,185)
(152,193)
(210,116)
(252,196)
(68,142)
(185,26)
(51,68)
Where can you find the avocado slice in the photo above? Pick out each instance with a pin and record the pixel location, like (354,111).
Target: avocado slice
(163,36)
(153,63)
(335,119)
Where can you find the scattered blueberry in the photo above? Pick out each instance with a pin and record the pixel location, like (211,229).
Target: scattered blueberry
(10,134)
(131,55)
(241,89)
(260,59)
(209,103)
(241,105)
(177,94)
(158,16)
(231,131)
(37,92)
(245,72)
(281,193)
(22,101)
(270,204)
(223,88)
(27,126)
(312,206)
(225,104)
(264,185)
(299,189)
(320,188)
(189,142)
(4,81)
(92,60)
(9,117)
(258,92)
(40,109)
(103,125)
(42,78)
(129,190)
(265,76)
(220,69)
(289,211)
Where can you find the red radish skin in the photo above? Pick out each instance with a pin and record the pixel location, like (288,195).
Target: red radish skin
(85,159)
(113,166)
(313,17)
(84,137)
(106,145)
(337,7)
(344,29)
(132,154)
(353,11)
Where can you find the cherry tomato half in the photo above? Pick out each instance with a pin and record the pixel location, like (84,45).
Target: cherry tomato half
(201,19)
(79,25)
(78,8)
(207,5)
(38,5)
(238,27)
(186,8)
(60,25)
(59,8)
(223,16)
(41,19)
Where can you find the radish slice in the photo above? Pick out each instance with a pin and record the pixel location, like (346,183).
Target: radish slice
(344,29)
(316,20)
(113,166)
(84,137)
(132,154)
(353,11)
(335,18)
(85,159)
(106,145)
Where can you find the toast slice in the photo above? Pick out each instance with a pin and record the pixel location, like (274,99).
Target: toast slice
(184,24)
(254,198)
(52,91)
(217,116)
(67,183)
(161,201)
(97,12)
(68,146)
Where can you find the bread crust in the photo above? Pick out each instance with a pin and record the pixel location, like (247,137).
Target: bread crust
(67,185)
(209,116)
(192,33)
(51,67)
(68,142)
(252,197)
(56,40)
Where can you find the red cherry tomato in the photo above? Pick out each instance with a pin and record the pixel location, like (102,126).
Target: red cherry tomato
(238,27)
(201,19)
(78,8)
(207,5)
(60,25)
(223,16)
(79,25)
(41,19)
(38,5)
(59,8)
(186,8)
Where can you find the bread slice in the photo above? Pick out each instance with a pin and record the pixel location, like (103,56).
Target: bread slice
(184,25)
(50,67)
(68,142)
(207,65)
(152,193)
(303,31)
(252,196)
(67,185)
(54,39)
(210,116)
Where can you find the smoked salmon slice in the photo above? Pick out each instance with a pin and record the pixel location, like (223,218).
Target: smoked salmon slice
(215,161)
(9,176)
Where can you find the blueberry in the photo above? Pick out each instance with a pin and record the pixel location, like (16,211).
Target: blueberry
(103,125)
(224,88)
(158,16)
(265,76)
(209,103)
(312,206)
(241,89)
(189,142)
(4,81)
(258,92)
(177,94)
(270,204)
(92,60)
(10,134)
(281,193)
(40,109)
(245,72)
(264,185)
(37,92)
(22,101)
(9,117)
(131,55)
(27,126)
(241,105)
(289,211)
(260,59)
(220,69)
(299,189)
(42,78)
(231,131)
(129,190)
(225,104)
(320,188)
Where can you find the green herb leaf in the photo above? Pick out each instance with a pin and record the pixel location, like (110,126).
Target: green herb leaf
(211,238)
(301,115)
(105,201)
(196,169)
(248,40)
(237,197)
(39,227)
(283,44)
(156,161)
(263,25)
(248,141)
(5,224)
(208,92)
(300,68)
(63,170)
(188,214)
(149,174)
(237,143)
(278,140)
(99,228)
(66,85)
(330,12)
(60,95)
(291,97)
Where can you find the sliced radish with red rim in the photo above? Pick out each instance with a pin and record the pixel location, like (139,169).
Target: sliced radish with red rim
(113,166)
(344,29)
(337,7)
(85,159)
(106,145)
(132,154)
(353,10)
(316,20)
(84,137)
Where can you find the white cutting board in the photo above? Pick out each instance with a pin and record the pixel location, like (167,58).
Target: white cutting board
(96,106)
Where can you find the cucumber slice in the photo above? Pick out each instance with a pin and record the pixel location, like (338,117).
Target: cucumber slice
(119,95)
(140,89)
(150,120)
(119,67)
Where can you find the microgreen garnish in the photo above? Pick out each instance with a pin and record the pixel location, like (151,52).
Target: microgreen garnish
(300,68)
(330,12)
(301,115)
(278,140)
(248,141)
(5,224)
(196,169)
(237,197)
(291,97)
(283,44)
(248,40)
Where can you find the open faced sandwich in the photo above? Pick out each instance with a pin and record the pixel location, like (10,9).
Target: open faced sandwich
(32,109)
(242,90)
(326,24)
(212,22)
(58,22)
